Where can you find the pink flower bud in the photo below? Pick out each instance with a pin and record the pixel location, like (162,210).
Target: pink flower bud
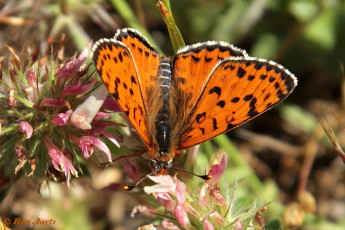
(25,127)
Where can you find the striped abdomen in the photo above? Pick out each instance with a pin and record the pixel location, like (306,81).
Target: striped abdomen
(162,124)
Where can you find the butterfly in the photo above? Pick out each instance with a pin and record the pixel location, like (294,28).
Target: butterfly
(174,103)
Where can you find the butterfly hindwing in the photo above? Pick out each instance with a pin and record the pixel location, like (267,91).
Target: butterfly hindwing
(116,66)
(237,90)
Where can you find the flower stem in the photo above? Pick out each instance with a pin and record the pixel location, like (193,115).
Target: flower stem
(174,32)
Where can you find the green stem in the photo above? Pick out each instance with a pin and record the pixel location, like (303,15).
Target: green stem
(174,32)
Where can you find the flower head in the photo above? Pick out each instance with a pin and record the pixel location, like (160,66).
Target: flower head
(207,205)
(59,105)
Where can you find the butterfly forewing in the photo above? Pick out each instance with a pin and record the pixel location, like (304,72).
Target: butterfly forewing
(192,66)
(238,90)
(146,59)
(115,64)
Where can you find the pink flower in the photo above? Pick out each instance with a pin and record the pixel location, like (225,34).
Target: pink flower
(217,171)
(53,102)
(62,118)
(110,104)
(166,201)
(25,127)
(60,161)
(238,225)
(181,215)
(85,113)
(147,211)
(168,225)
(111,137)
(87,143)
(131,168)
(20,151)
(72,66)
(207,225)
(77,88)
(32,90)
(165,183)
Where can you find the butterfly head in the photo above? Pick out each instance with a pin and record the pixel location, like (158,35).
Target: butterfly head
(161,166)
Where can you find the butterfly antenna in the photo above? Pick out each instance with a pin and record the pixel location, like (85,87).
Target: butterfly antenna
(204,177)
(121,157)
(131,187)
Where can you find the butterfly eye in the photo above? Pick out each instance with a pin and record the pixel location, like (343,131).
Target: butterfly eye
(154,164)
(168,164)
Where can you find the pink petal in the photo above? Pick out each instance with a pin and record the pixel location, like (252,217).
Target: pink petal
(87,143)
(131,168)
(165,200)
(217,171)
(20,150)
(85,113)
(53,102)
(62,118)
(238,225)
(103,114)
(180,189)
(71,67)
(165,183)
(31,78)
(207,225)
(77,88)
(110,104)
(110,136)
(60,162)
(181,215)
(169,225)
(217,196)
(147,211)
(25,127)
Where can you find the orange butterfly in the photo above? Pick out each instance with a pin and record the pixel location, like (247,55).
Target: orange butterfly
(175,103)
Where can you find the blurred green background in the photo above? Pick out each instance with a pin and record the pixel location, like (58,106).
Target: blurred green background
(272,157)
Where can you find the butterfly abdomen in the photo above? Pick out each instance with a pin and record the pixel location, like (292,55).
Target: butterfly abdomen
(162,119)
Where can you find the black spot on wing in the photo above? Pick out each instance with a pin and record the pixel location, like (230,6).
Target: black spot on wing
(229,66)
(133,80)
(216,90)
(240,72)
(221,103)
(248,97)
(251,77)
(235,99)
(196,59)
(200,117)
(252,108)
(267,96)
(120,57)
(230,126)
(263,77)
(208,59)
(214,123)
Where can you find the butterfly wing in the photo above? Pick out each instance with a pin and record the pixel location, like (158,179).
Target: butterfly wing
(122,71)
(192,66)
(145,56)
(237,90)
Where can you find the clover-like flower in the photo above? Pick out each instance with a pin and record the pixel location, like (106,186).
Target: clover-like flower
(51,113)
(202,207)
